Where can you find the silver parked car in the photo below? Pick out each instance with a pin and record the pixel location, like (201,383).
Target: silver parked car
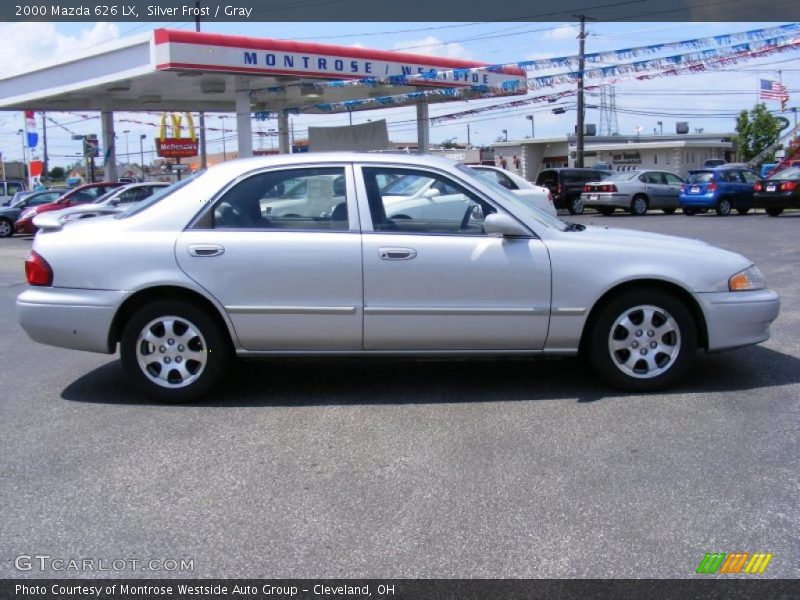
(634,191)
(209,269)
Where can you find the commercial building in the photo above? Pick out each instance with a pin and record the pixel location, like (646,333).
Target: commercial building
(678,153)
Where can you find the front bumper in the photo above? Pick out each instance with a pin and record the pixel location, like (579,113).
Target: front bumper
(25,226)
(69,318)
(736,319)
(617,200)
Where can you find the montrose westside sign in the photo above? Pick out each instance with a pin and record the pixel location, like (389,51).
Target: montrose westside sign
(187,50)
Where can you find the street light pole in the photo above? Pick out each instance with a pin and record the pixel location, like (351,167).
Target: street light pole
(581,66)
(224,154)
(127,148)
(530,118)
(505,134)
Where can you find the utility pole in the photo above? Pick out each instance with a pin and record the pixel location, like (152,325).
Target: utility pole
(469,141)
(530,118)
(141,153)
(581,66)
(45,170)
(203,156)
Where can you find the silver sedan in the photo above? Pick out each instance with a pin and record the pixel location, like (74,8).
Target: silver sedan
(209,270)
(634,191)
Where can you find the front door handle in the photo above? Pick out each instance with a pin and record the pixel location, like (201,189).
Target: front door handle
(206,249)
(397,253)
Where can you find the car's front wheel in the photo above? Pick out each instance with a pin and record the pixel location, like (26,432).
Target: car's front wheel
(6,228)
(642,340)
(174,351)
(575,206)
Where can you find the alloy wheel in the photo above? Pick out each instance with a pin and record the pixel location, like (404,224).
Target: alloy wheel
(171,352)
(644,341)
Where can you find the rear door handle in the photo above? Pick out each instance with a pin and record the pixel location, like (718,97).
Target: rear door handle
(397,253)
(206,249)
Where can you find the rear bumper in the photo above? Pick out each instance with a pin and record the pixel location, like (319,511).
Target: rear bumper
(617,200)
(737,319)
(778,200)
(69,318)
(700,201)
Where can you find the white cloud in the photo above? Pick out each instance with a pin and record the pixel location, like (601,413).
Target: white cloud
(35,42)
(565,32)
(433,46)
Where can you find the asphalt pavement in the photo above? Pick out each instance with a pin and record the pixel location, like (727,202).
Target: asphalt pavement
(404,468)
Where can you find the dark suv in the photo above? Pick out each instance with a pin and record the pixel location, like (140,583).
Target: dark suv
(567,184)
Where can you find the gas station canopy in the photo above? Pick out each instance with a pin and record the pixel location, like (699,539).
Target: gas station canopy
(172,70)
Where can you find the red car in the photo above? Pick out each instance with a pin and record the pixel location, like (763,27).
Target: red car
(83,194)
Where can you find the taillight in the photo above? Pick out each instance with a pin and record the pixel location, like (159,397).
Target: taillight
(712,185)
(605,188)
(586,188)
(788,186)
(683,189)
(37,270)
(558,189)
(757,187)
(550,197)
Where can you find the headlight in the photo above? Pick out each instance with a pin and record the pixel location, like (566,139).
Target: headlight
(749,279)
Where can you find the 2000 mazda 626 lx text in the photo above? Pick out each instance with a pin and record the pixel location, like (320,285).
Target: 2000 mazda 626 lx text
(305,255)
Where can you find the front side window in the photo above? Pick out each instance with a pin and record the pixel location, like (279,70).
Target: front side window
(307,199)
(437,206)
(671,179)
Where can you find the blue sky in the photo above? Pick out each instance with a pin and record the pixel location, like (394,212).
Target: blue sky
(710,98)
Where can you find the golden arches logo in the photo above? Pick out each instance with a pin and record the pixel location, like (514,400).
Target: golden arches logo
(176,120)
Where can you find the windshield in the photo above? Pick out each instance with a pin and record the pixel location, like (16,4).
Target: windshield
(158,195)
(407,185)
(622,176)
(516,201)
(793,173)
(700,177)
(109,194)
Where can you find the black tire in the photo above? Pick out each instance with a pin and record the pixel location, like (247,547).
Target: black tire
(773,211)
(600,334)
(575,206)
(668,211)
(606,211)
(689,212)
(6,228)
(723,207)
(742,211)
(639,205)
(216,350)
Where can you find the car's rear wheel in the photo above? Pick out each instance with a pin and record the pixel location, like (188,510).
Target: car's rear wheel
(723,207)
(689,212)
(606,210)
(6,228)
(742,211)
(774,212)
(639,205)
(668,211)
(575,206)
(174,351)
(642,340)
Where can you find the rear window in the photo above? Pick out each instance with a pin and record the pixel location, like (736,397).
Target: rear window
(546,177)
(793,173)
(700,176)
(622,176)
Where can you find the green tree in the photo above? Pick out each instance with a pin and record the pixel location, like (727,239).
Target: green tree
(755,130)
(57,173)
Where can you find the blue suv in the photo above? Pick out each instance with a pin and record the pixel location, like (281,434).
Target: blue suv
(722,188)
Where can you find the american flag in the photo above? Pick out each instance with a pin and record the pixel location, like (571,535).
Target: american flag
(772,90)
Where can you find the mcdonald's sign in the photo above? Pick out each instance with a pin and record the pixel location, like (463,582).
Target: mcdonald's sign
(734,563)
(177,146)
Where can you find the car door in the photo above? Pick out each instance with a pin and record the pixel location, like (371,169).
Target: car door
(288,280)
(747,189)
(673,185)
(444,285)
(653,187)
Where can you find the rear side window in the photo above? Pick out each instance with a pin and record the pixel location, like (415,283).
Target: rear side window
(547,178)
(650,178)
(749,176)
(700,177)
(306,199)
(730,177)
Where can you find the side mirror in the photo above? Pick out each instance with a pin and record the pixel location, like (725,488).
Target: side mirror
(504,226)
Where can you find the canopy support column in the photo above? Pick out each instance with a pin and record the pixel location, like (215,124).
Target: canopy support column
(423,127)
(109,146)
(244,126)
(283,133)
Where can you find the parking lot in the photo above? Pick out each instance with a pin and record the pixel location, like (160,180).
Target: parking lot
(389,468)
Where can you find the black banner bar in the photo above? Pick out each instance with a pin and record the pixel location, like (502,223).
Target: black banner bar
(391,11)
(399,589)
